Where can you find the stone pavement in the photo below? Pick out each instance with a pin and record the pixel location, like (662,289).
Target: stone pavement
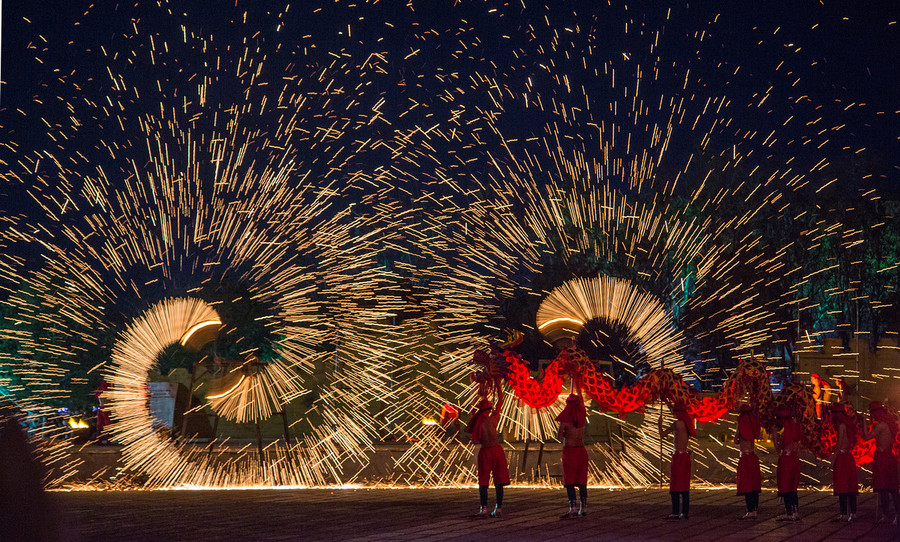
(441,514)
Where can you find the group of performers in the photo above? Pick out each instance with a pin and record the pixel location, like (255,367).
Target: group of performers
(845,474)
(787,434)
(492,460)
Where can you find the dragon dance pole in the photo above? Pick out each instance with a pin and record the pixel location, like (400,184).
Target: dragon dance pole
(662,365)
(660,446)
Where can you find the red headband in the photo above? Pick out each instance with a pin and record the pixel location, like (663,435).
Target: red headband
(574,412)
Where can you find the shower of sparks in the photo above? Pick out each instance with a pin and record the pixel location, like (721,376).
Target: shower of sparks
(645,318)
(560,205)
(247,398)
(489,154)
(165,462)
(245,175)
(564,164)
(437,461)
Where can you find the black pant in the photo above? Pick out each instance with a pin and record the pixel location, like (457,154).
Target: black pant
(886,497)
(582,491)
(685,497)
(845,499)
(482,495)
(752,500)
(791,502)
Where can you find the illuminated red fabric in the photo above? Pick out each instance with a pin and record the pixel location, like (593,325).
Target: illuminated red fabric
(492,461)
(884,472)
(533,393)
(708,409)
(864,451)
(845,474)
(749,379)
(788,473)
(575,465)
(749,478)
(823,445)
(680,472)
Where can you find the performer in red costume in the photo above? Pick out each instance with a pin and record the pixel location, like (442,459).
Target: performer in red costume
(884,467)
(574,456)
(680,474)
(845,478)
(787,442)
(749,479)
(491,459)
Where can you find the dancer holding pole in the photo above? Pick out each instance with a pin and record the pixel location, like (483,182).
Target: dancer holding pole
(788,445)
(491,458)
(749,478)
(680,477)
(660,422)
(884,465)
(574,455)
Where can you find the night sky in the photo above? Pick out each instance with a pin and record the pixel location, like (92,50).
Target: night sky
(834,54)
(427,110)
(820,76)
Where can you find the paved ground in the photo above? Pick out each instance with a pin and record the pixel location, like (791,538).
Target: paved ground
(441,514)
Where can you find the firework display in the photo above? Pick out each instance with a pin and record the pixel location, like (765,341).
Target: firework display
(569,206)
(547,211)
(314,217)
(239,196)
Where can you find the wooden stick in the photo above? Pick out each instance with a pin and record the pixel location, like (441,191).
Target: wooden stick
(660,446)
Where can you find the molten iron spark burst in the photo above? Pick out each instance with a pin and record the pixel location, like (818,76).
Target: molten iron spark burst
(246,181)
(507,169)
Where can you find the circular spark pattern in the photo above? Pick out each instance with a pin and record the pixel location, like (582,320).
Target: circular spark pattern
(250,392)
(529,235)
(135,354)
(244,195)
(578,301)
(166,462)
(572,160)
(366,195)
